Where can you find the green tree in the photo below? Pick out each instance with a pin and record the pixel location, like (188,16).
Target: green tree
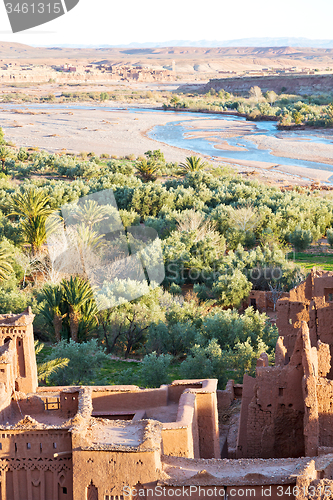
(301,239)
(329,236)
(298,117)
(85,360)
(155,370)
(32,207)
(192,164)
(255,93)
(271,97)
(232,289)
(147,169)
(47,368)
(175,101)
(5,154)
(77,293)
(6,268)
(53,308)
(2,135)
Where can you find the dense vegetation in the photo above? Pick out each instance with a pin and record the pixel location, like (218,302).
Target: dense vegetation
(288,110)
(221,235)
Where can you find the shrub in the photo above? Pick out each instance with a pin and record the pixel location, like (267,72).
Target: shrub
(84,362)
(154,370)
(301,239)
(329,236)
(231,290)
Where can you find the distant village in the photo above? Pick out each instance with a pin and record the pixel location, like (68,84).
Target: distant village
(18,72)
(11,71)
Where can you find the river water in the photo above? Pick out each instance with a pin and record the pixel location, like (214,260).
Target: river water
(181,134)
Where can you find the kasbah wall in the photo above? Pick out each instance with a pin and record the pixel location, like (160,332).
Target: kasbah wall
(117,442)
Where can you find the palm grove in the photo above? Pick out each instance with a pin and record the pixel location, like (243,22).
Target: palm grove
(221,235)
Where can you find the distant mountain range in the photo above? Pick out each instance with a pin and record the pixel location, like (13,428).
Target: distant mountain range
(241,42)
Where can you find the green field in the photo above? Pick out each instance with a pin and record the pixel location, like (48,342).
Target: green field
(307,261)
(111,369)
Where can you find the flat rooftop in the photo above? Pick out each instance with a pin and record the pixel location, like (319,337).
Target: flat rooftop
(183,471)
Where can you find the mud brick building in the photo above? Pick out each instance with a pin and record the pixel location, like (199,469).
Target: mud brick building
(117,442)
(287,410)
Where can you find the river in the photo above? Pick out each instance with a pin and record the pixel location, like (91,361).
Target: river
(228,137)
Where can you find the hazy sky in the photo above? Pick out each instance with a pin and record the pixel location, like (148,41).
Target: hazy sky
(111,22)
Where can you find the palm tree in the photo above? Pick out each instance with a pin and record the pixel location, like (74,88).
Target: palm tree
(192,164)
(88,319)
(6,268)
(5,153)
(52,311)
(45,369)
(77,292)
(90,213)
(147,169)
(32,207)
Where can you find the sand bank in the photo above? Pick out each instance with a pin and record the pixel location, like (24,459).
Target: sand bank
(122,132)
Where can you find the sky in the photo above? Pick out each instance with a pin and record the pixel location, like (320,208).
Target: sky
(109,22)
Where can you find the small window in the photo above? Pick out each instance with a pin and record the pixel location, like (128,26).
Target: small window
(65,398)
(73,398)
(281,391)
(40,447)
(19,343)
(55,446)
(15,447)
(0,446)
(290,321)
(64,490)
(28,446)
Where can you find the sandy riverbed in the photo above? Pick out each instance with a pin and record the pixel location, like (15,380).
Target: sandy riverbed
(121,132)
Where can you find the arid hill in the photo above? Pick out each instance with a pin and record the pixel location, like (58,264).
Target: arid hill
(292,84)
(208,61)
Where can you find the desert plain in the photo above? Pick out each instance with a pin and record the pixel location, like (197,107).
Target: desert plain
(120,129)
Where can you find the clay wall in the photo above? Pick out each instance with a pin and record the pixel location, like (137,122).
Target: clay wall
(6,409)
(180,438)
(177,387)
(248,388)
(208,425)
(108,472)
(34,443)
(29,406)
(289,318)
(69,403)
(47,479)
(195,432)
(30,468)
(324,390)
(322,285)
(302,292)
(18,329)
(322,320)
(226,397)
(275,415)
(260,299)
(116,399)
